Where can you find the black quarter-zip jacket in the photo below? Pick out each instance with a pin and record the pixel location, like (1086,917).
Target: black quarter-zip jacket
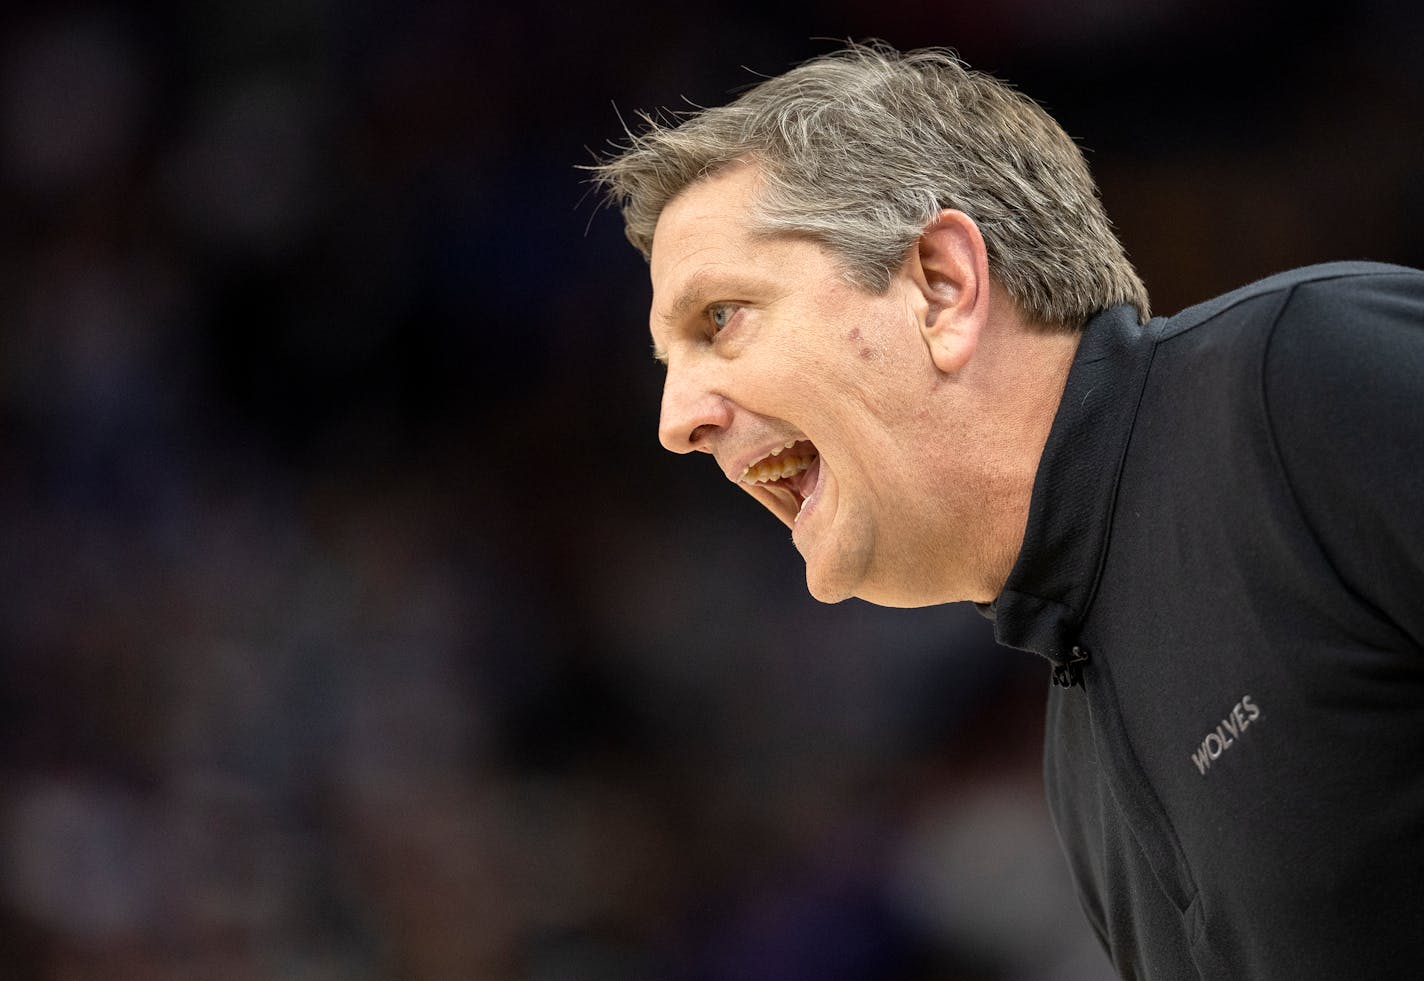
(1224,559)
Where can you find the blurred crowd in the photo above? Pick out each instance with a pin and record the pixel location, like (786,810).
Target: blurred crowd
(353,624)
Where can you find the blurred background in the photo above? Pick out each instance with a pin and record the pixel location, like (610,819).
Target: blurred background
(353,623)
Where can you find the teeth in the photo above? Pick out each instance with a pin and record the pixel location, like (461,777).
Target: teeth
(776,466)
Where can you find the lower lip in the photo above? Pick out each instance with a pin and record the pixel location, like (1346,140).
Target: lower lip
(811,501)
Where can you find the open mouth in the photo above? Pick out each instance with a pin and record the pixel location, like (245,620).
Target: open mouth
(789,474)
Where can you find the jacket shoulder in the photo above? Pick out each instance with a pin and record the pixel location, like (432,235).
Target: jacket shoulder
(1330,275)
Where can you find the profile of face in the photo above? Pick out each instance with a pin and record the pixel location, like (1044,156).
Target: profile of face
(821,400)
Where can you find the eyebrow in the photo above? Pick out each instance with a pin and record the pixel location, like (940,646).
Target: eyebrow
(692,291)
(701,285)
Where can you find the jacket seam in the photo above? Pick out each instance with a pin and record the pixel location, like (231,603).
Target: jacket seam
(1182,326)
(1106,541)
(1280,459)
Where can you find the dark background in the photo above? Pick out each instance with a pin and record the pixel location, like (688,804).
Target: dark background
(355,626)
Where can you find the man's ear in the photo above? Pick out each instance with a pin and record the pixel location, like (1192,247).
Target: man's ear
(951,268)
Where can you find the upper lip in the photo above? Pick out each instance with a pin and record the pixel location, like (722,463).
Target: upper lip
(742,464)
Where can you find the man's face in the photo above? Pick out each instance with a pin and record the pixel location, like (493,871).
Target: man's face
(811,393)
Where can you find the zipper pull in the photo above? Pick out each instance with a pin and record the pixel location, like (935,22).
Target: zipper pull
(1070,673)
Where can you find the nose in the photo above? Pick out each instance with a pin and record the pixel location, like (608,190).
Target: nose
(692,414)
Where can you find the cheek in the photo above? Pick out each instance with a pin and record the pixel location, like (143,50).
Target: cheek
(883,331)
(880,369)
(863,357)
(856,339)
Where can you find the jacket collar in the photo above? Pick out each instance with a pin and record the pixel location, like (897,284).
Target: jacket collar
(1052,583)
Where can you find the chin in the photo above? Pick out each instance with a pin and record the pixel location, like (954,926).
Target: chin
(833,581)
(903,595)
(897,599)
(820,591)
(845,567)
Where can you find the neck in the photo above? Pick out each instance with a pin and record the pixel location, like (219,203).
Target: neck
(1023,369)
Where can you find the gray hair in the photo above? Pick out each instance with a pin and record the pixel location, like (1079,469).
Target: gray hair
(861,148)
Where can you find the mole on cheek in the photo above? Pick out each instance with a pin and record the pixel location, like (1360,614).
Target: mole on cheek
(865,353)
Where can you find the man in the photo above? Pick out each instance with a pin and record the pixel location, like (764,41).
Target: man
(891,307)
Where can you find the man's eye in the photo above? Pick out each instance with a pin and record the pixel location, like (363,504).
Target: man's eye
(721,314)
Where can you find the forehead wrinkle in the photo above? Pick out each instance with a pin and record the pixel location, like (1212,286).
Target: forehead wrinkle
(722,280)
(687,298)
(692,291)
(714,234)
